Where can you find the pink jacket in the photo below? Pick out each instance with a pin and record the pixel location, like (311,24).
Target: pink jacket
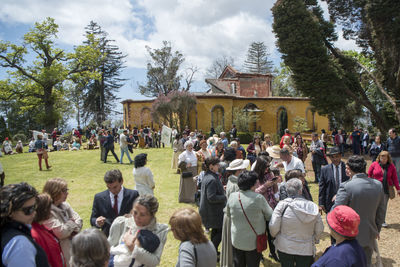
(375,171)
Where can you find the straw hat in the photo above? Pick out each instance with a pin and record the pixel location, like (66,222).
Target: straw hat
(238,164)
(273,151)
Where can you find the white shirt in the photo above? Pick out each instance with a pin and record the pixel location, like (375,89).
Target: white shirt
(144,181)
(188,157)
(122,141)
(295,163)
(120,197)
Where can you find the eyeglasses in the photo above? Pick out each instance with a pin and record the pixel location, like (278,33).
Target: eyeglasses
(28,210)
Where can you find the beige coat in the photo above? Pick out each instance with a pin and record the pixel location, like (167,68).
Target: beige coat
(65,223)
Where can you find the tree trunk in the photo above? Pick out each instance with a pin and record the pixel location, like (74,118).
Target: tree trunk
(50,118)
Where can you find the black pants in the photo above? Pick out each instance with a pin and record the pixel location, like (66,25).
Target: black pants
(112,151)
(289,260)
(216,237)
(242,258)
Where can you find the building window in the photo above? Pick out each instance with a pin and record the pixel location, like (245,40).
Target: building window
(217,116)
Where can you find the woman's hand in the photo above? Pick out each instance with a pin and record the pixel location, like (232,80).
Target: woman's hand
(130,240)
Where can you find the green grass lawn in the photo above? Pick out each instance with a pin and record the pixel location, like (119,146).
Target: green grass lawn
(84,173)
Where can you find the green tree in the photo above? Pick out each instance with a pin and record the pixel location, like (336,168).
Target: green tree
(40,84)
(300,124)
(99,94)
(283,84)
(218,66)
(257,59)
(163,74)
(320,71)
(242,119)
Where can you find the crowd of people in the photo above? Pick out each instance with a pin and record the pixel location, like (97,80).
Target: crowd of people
(243,202)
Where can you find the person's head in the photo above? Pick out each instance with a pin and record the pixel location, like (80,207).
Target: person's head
(343,222)
(178,136)
(267,137)
(220,146)
(114,181)
(323,131)
(140,160)
(299,139)
(355,164)
(125,131)
(199,137)
(191,134)
(378,139)
(392,133)
(18,203)
(234,144)
(237,166)
(188,145)
(229,154)
(384,158)
(233,126)
(295,173)
(90,248)
(277,173)
(237,140)
(144,209)
(334,155)
(39,136)
(186,226)
(284,154)
(247,180)
(57,188)
(294,187)
(211,164)
(287,131)
(203,144)
(287,140)
(314,136)
(43,203)
(262,164)
(339,131)
(222,135)
(256,140)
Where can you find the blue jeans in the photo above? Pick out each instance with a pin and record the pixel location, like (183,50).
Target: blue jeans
(396,162)
(123,151)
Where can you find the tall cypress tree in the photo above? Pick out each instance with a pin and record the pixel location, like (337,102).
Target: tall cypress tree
(257,59)
(99,95)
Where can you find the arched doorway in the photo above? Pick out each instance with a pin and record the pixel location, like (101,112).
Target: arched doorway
(310,117)
(251,107)
(217,116)
(282,120)
(145,117)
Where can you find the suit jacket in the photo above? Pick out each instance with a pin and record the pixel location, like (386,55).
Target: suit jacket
(365,196)
(102,207)
(109,143)
(327,185)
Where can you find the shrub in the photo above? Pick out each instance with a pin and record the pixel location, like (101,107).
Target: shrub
(247,137)
(21,137)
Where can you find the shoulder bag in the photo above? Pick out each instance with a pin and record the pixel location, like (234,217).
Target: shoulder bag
(262,240)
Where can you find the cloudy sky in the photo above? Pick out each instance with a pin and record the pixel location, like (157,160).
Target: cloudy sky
(201,29)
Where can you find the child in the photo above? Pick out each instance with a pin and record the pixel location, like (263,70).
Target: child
(123,257)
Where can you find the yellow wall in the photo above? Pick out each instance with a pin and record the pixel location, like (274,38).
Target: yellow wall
(268,118)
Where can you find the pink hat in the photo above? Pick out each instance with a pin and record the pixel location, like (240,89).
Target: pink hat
(344,221)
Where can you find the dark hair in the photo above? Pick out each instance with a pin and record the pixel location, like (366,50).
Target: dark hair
(264,154)
(202,142)
(284,151)
(13,197)
(140,160)
(393,130)
(287,130)
(275,171)
(357,164)
(208,162)
(200,136)
(237,139)
(113,176)
(293,174)
(256,137)
(261,165)
(229,154)
(43,209)
(247,180)
(323,131)
(177,136)
(314,134)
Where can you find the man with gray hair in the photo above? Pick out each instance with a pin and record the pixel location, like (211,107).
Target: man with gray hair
(224,140)
(365,196)
(296,225)
(289,162)
(317,156)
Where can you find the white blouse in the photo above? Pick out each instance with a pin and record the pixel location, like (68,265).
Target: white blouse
(188,157)
(144,181)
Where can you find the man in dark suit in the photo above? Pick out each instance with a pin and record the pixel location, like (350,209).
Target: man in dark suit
(116,201)
(365,196)
(332,176)
(109,146)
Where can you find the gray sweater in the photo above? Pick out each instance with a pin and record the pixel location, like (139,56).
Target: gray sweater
(206,255)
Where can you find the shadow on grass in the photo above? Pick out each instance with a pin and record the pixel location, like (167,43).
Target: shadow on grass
(387,262)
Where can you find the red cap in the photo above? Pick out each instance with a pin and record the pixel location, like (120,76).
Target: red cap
(344,221)
(6,138)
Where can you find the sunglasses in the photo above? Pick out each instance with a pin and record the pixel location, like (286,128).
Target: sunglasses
(28,210)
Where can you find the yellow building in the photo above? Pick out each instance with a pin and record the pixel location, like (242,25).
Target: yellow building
(250,92)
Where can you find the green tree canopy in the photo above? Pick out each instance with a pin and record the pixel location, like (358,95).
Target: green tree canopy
(257,59)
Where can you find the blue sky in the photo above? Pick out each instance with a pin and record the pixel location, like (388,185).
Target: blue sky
(201,29)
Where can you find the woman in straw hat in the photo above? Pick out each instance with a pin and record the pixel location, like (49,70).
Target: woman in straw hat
(343,222)
(236,167)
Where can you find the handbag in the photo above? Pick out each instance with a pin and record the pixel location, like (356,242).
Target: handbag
(262,240)
(392,192)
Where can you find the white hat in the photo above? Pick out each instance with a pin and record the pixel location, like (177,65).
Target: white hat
(273,151)
(238,164)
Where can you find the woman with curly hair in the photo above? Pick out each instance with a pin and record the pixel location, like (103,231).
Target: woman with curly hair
(18,209)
